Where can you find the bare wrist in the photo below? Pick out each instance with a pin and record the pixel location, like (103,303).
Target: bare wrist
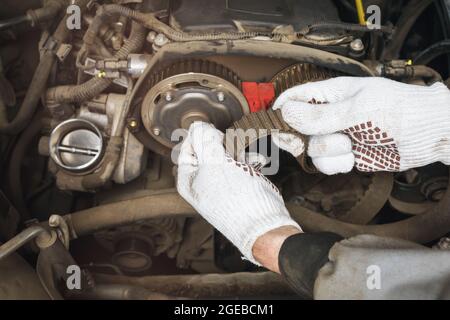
(267,247)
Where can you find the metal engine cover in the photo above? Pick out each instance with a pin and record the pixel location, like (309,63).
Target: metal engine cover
(248,15)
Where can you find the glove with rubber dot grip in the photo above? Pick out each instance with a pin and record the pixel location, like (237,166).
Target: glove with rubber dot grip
(375,124)
(232,196)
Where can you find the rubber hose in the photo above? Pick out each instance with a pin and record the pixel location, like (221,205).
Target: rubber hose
(50,10)
(426,73)
(423,228)
(432,52)
(30,102)
(15,166)
(406,21)
(8,23)
(37,16)
(150,21)
(117,292)
(90,89)
(3,113)
(343,26)
(39,81)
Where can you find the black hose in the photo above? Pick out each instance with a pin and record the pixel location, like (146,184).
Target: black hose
(406,21)
(8,23)
(3,113)
(39,81)
(48,12)
(432,52)
(37,16)
(30,102)
(90,89)
(343,26)
(348,6)
(15,167)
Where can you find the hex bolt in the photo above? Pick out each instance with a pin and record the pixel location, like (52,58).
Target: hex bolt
(160,40)
(151,36)
(156,131)
(133,123)
(221,96)
(168,97)
(357,45)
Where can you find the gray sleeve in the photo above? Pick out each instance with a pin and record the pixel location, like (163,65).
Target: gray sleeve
(370,267)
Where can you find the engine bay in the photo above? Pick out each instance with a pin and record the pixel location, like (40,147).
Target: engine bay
(90,118)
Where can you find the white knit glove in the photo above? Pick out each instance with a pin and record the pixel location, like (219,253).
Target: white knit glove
(374,123)
(232,196)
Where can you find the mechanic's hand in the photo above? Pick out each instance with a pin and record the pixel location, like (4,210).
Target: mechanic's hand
(374,123)
(237,200)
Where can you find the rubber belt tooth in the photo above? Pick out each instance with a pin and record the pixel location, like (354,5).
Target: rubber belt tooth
(275,120)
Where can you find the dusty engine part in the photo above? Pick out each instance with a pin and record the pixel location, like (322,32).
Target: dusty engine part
(421,228)
(197,249)
(134,246)
(418,190)
(76,145)
(353,198)
(243,284)
(188,91)
(248,15)
(19,280)
(117,292)
(132,253)
(137,93)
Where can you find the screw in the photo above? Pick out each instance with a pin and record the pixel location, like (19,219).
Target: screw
(221,96)
(133,123)
(357,45)
(151,36)
(118,26)
(160,40)
(156,131)
(168,97)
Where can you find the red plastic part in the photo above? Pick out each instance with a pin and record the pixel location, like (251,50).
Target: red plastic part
(260,96)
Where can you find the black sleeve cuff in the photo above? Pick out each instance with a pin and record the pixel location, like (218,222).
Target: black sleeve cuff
(302,256)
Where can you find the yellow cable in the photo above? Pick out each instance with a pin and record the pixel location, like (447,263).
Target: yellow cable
(360,11)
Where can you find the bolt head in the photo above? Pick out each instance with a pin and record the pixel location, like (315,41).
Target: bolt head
(151,36)
(221,96)
(156,131)
(160,40)
(168,97)
(133,124)
(357,45)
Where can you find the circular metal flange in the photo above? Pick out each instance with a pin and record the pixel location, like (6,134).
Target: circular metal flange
(76,145)
(133,253)
(179,100)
